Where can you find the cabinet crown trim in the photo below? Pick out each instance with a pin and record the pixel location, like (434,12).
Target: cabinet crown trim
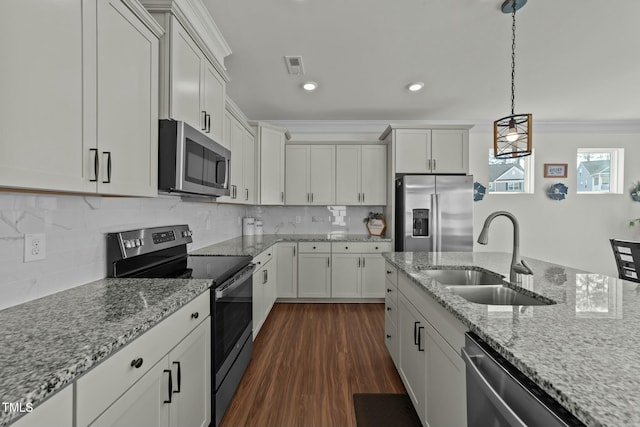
(391,127)
(197,20)
(145,17)
(255,123)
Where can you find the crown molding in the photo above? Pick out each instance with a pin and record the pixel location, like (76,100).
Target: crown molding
(196,19)
(233,109)
(379,126)
(143,15)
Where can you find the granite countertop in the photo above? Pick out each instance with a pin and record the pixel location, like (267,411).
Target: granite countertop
(47,343)
(584,350)
(253,245)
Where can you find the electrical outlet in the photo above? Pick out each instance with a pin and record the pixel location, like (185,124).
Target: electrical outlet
(298,219)
(35,247)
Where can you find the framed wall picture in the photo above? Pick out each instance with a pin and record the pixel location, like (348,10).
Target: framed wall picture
(555,170)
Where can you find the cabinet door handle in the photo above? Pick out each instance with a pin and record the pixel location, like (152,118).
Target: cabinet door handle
(415,332)
(264,277)
(246,197)
(358,262)
(308,198)
(362,262)
(96,164)
(137,363)
(282,196)
(204,120)
(362,197)
(420,339)
(179,377)
(311,197)
(208,117)
(328,260)
(358,197)
(294,251)
(168,400)
(108,153)
(429,164)
(434,164)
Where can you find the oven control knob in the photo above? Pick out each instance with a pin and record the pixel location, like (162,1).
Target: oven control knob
(127,244)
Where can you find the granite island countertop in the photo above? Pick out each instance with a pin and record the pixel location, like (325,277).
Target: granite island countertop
(253,245)
(47,343)
(584,350)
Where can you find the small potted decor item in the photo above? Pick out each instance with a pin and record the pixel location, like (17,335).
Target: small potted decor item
(557,191)
(633,222)
(375,223)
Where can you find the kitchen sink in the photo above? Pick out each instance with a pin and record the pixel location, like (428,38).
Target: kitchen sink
(495,295)
(465,277)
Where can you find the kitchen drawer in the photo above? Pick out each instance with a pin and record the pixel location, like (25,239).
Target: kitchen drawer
(360,247)
(310,247)
(101,386)
(391,273)
(263,257)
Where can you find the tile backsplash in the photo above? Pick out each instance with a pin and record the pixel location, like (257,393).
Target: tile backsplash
(75,228)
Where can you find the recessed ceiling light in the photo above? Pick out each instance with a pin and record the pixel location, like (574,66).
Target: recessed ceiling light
(309,86)
(414,87)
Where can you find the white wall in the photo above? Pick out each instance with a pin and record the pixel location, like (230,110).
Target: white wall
(574,231)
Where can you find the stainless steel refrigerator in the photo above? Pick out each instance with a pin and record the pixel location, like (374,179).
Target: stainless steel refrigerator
(434,213)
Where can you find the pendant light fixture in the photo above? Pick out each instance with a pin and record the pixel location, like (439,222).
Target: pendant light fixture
(512,134)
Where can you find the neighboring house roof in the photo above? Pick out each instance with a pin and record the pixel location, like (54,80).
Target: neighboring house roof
(497,170)
(596,166)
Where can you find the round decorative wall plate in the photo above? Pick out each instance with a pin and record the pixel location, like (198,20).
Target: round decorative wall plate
(557,191)
(479,191)
(635,192)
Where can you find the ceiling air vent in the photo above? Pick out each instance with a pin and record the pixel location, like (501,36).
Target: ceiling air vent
(294,65)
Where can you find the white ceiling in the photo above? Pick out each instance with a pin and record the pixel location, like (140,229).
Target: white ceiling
(575,59)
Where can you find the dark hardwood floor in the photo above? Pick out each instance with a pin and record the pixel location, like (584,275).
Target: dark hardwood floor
(308,360)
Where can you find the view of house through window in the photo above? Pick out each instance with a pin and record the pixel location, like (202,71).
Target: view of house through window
(509,175)
(598,170)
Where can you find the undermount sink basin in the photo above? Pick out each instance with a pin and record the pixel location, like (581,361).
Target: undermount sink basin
(464,277)
(495,295)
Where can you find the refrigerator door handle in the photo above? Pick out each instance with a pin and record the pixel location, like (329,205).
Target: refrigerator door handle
(437,229)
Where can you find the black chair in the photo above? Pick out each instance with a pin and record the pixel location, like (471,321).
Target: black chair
(627,256)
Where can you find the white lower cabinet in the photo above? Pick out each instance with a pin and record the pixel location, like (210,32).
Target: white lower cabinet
(264,287)
(287,270)
(162,378)
(429,364)
(358,269)
(58,409)
(314,270)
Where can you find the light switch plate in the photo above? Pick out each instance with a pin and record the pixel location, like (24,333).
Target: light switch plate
(35,247)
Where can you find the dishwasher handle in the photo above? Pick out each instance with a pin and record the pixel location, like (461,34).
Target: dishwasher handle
(491,394)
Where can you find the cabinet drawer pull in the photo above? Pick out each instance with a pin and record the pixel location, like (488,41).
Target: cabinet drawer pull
(314,247)
(377,248)
(179,377)
(96,164)
(346,247)
(388,336)
(195,315)
(389,291)
(136,363)
(388,308)
(388,271)
(168,371)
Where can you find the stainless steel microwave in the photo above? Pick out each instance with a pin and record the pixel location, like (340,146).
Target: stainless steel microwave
(189,162)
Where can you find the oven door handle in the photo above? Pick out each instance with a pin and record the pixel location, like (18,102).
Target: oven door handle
(226,289)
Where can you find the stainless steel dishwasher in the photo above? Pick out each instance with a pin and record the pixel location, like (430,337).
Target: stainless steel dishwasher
(499,395)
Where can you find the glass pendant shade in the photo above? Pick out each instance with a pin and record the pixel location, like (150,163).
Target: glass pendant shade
(512,136)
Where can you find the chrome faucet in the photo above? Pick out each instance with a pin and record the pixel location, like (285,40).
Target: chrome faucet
(518,266)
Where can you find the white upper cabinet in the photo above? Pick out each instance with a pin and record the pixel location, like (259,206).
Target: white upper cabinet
(361,174)
(310,174)
(249,167)
(271,154)
(127,102)
(432,150)
(192,74)
(78,117)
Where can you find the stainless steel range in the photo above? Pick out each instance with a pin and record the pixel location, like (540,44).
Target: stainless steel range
(161,252)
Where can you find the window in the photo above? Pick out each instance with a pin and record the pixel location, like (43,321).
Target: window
(600,170)
(510,175)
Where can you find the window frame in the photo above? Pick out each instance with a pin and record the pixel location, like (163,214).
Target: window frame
(528,182)
(616,170)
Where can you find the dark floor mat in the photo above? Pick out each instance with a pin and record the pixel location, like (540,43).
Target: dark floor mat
(384,410)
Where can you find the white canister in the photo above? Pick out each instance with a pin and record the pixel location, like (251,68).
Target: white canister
(248,226)
(259,228)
